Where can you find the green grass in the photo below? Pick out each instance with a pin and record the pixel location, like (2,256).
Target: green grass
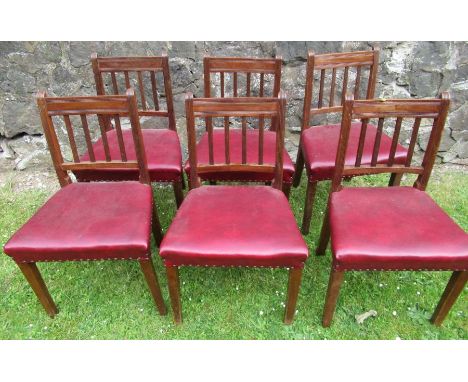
(110,300)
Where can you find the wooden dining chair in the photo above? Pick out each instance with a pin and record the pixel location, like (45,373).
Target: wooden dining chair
(113,75)
(235,225)
(318,144)
(90,220)
(392,228)
(241,77)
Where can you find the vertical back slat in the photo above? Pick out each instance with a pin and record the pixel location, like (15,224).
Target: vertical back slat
(378,137)
(345,84)
(115,86)
(396,136)
(209,127)
(244,140)
(261,128)
(71,138)
(332,88)
(235,84)
(89,143)
(357,84)
(414,138)
(127,79)
(322,80)
(227,146)
(262,84)
(222,84)
(103,122)
(118,130)
(362,138)
(154,89)
(248,84)
(142,89)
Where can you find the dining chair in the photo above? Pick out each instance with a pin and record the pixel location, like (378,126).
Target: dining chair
(235,225)
(241,77)
(90,220)
(113,75)
(356,72)
(392,228)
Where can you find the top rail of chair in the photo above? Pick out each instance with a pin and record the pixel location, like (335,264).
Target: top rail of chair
(336,60)
(241,64)
(143,63)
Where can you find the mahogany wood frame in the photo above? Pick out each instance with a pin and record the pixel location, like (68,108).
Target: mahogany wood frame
(102,106)
(140,65)
(435,109)
(235,107)
(323,62)
(247,66)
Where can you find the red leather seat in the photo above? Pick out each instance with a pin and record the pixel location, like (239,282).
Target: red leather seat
(235,143)
(234,226)
(393,228)
(88,221)
(163,155)
(320,144)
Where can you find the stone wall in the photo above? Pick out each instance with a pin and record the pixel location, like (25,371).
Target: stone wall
(407,69)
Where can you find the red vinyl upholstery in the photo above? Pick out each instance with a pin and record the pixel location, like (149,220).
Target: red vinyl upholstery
(320,144)
(394,228)
(88,221)
(235,137)
(234,226)
(163,155)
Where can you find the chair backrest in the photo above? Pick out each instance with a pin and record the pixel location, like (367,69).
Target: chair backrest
(353,67)
(249,77)
(254,108)
(418,112)
(141,71)
(235,66)
(58,111)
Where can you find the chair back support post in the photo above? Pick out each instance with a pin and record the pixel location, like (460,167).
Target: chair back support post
(398,109)
(52,141)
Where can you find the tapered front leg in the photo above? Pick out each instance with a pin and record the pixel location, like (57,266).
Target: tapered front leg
(295,276)
(150,275)
(324,235)
(34,278)
(334,284)
(452,291)
(174,292)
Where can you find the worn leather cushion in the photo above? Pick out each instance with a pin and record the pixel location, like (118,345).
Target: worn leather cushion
(394,228)
(88,221)
(163,156)
(235,143)
(320,144)
(234,226)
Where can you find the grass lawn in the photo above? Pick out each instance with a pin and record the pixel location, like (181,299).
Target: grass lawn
(110,300)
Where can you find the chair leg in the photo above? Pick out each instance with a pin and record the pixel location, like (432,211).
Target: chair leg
(295,276)
(174,292)
(334,283)
(287,189)
(324,235)
(156,226)
(299,167)
(212,182)
(309,202)
(454,287)
(150,275)
(34,278)
(395,179)
(179,195)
